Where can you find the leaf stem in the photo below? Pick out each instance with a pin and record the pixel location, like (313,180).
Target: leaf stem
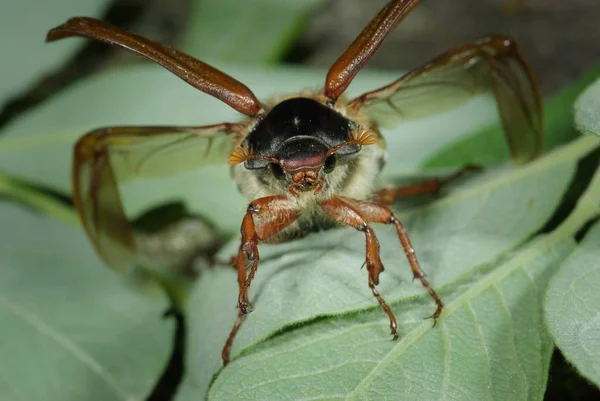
(37,200)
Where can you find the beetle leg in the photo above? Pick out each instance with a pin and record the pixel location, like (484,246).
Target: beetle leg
(388,195)
(343,212)
(232,333)
(380,214)
(278,214)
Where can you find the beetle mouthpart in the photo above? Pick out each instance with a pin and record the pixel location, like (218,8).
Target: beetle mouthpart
(305,180)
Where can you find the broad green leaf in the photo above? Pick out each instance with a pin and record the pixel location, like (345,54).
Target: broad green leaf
(572,300)
(70,329)
(255,32)
(587,110)
(572,305)
(462,240)
(23,27)
(488,146)
(491,345)
(37,147)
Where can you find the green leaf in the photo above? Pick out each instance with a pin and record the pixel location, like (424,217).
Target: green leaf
(587,110)
(255,32)
(37,147)
(488,146)
(572,301)
(490,345)
(23,27)
(71,330)
(573,305)
(314,313)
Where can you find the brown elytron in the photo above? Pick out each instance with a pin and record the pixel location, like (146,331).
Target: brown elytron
(308,161)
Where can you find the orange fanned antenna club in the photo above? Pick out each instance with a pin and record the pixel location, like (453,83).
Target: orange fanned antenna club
(363,136)
(239,155)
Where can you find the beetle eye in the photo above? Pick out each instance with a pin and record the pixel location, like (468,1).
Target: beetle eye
(277,171)
(329,164)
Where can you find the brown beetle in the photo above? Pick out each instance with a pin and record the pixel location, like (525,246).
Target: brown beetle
(305,160)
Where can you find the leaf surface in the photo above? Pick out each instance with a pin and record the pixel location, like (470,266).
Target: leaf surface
(587,109)
(572,302)
(236,32)
(23,27)
(573,307)
(71,329)
(313,289)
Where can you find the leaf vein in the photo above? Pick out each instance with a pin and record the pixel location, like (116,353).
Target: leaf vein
(447,360)
(486,351)
(511,334)
(308,374)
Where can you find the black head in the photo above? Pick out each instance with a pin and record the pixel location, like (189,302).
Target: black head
(297,133)
(299,142)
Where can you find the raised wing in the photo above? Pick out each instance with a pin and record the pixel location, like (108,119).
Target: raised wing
(105,158)
(491,64)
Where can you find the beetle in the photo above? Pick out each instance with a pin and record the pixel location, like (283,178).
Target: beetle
(305,160)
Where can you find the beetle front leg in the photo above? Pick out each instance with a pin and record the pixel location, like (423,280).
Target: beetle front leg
(278,213)
(380,214)
(232,333)
(343,212)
